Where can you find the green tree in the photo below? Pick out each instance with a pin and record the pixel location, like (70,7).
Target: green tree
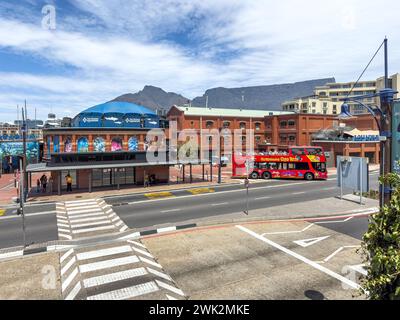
(381,247)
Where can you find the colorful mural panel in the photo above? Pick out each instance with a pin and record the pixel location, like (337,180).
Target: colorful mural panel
(116,144)
(83,144)
(99,144)
(133,144)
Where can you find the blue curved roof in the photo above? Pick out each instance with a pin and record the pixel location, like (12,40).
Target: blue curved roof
(119,107)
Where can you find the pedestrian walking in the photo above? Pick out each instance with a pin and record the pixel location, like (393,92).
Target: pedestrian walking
(38,186)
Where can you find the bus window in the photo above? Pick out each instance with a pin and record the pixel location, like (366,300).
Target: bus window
(282,166)
(319,166)
(315,151)
(272,166)
(260,165)
(298,151)
(302,166)
(291,166)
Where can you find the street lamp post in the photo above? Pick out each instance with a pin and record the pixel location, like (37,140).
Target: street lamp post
(384,124)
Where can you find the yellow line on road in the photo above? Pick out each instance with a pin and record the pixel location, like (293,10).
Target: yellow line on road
(2,212)
(158,195)
(201,190)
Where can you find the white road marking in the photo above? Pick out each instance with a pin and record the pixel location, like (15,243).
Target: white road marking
(69,279)
(102,217)
(108,264)
(127,293)
(143,252)
(285,232)
(74,292)
(123,229)
(88,224)
(219,204)
(309,242)
(68,265)
(83,212)
(112,277)
(297,193)
(96,214)
(164,285)
(337,251)
(171,210)
(262,198)
(301,258)
(150,262)
(159,274)
(92,229)
(137,243)
(66,255)
(170,297)
(103,252)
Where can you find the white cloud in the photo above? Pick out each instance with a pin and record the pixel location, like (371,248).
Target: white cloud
(113,49)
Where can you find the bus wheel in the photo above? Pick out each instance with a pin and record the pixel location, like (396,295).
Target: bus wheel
(309,176)
(254,175)
(266,175)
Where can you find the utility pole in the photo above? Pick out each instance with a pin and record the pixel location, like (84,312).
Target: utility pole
(24,162)
(22,199)
(386,101)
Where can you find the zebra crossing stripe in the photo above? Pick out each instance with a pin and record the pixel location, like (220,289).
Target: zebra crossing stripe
(89,224)
(123,229)
(62,225)
(113,277)
(145,260)
(170,288)
(66,255)
(127,293)
(92,229)
(87,215)
(74,292)
(68,265)
(63,230)
(69,279)
(137,243)
(80,213)
(65,236)
(108,264)
(159,274)
(170,297)
(143,252)
(103,252)
(89,219)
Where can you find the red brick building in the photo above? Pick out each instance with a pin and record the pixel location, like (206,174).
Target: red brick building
(275,131)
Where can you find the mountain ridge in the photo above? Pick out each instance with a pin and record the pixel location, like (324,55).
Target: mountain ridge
(266,97)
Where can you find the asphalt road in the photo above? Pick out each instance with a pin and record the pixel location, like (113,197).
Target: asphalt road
(137,211)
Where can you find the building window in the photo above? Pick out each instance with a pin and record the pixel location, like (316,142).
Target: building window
(191,124)
(283,138)
(292,138)
(258,138)
(226,124)
(291,123)
(242,125)
(283,124)
(209,124)
(257,126)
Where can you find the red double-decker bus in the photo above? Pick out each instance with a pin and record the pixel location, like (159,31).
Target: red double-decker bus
(298,162)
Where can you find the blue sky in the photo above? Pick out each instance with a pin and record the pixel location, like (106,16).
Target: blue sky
(100,49)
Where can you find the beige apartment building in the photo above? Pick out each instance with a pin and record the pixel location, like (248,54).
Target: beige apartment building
(327,99)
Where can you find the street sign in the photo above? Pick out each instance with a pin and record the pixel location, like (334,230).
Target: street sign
(396,137)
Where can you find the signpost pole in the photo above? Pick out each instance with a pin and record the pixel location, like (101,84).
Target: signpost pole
(361,180)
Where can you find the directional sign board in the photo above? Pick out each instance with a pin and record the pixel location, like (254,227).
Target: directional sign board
(396,137)
(352,173)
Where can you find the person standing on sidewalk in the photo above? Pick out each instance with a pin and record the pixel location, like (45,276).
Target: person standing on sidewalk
(68,179)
